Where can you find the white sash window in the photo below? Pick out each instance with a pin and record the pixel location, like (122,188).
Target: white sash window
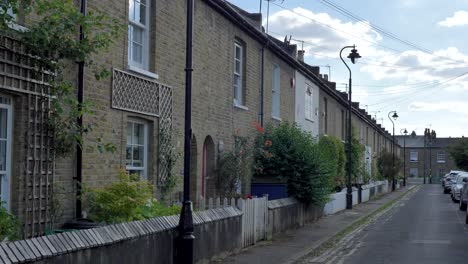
(5,149)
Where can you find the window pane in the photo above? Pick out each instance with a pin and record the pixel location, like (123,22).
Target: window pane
(139,134)
(137,51)
(238,66)
(238,54)
(3,155)
(138,155)
(128,155)
(3,123)
(138,35)
(129,132)
(142,16)
(131,10)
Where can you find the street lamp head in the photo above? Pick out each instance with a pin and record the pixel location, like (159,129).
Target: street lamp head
(395,116)
(354,55)
(405,132)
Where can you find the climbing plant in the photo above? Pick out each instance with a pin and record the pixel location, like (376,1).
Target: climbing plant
(53,37)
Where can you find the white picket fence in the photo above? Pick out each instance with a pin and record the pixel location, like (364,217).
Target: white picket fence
(254,219)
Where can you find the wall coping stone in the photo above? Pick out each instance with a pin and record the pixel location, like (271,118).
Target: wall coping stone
(38,248)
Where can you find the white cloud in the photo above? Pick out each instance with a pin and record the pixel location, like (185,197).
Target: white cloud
(458,107)
(459,18)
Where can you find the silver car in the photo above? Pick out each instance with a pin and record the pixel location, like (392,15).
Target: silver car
(449,180)
(457,186)
(464,195)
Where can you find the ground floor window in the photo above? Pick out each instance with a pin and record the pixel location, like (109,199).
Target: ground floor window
(137,148)
(413,172)
(5,149)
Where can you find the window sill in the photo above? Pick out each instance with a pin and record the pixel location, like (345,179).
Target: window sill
(243,107)
(276,118)
(413,161)
(310,120)
(146,73)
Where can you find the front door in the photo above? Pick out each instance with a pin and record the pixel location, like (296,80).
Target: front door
(5,149)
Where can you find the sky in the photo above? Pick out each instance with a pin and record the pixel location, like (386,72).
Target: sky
(414,54)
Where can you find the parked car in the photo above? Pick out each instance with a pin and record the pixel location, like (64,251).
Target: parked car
(464,195)
(449,179)
(457,186)
(444,178)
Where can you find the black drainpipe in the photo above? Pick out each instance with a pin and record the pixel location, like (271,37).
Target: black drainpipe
(79,150)
(261,85)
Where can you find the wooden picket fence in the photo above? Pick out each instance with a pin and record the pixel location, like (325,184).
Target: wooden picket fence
(254,218)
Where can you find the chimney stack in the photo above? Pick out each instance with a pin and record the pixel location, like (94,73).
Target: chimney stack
(300,55)
(325,76)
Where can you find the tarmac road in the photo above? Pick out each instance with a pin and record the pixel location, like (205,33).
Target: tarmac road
(425,227)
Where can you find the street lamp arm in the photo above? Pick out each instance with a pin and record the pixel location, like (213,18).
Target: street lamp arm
(341,57)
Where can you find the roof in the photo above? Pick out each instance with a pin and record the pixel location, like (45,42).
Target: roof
(418,141)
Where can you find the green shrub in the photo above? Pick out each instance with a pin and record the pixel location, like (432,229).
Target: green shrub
(289,153)
(234,167)
(153,208)
(121,201)
(127,199)
(357,157)
(333,154)
(10,227)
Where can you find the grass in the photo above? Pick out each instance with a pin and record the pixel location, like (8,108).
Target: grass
(330,243)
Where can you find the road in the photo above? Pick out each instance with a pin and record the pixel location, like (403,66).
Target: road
(424,227)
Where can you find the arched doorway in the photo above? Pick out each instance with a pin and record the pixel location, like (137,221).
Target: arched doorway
(193,169)
(208,169)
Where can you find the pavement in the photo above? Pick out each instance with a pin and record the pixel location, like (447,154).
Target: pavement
(426,227)
(294,246)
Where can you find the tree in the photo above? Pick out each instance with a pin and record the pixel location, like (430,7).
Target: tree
(459,153)
(386,167)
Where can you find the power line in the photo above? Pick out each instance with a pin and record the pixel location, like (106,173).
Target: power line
(381,30)
(345,32)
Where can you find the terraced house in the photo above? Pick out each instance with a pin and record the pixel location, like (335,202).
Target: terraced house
(241,75)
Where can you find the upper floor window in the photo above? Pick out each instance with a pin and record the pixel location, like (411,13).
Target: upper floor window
(309,104)
(238,73)
(276,92)
(413,156)
(441,157)
(137,148)
(325,115)
(138,34)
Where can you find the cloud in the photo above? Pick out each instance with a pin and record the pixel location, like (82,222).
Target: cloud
(323,35)
(459,18)
(457,107)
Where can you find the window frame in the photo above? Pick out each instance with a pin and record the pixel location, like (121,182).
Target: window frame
(414,169)
(133,65)
(441,154)
(325,115)
(239,88)
(276,91)
(144,168)
(417,156)
(6,182)
(309,103)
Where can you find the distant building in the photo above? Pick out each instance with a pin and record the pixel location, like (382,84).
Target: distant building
(426,159)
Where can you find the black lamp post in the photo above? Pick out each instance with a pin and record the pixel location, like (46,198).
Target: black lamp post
(394,117)
(405,133)
(354,55)
(429,137)
(184,241)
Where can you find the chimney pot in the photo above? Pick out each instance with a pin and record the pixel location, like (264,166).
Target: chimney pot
(300,55)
